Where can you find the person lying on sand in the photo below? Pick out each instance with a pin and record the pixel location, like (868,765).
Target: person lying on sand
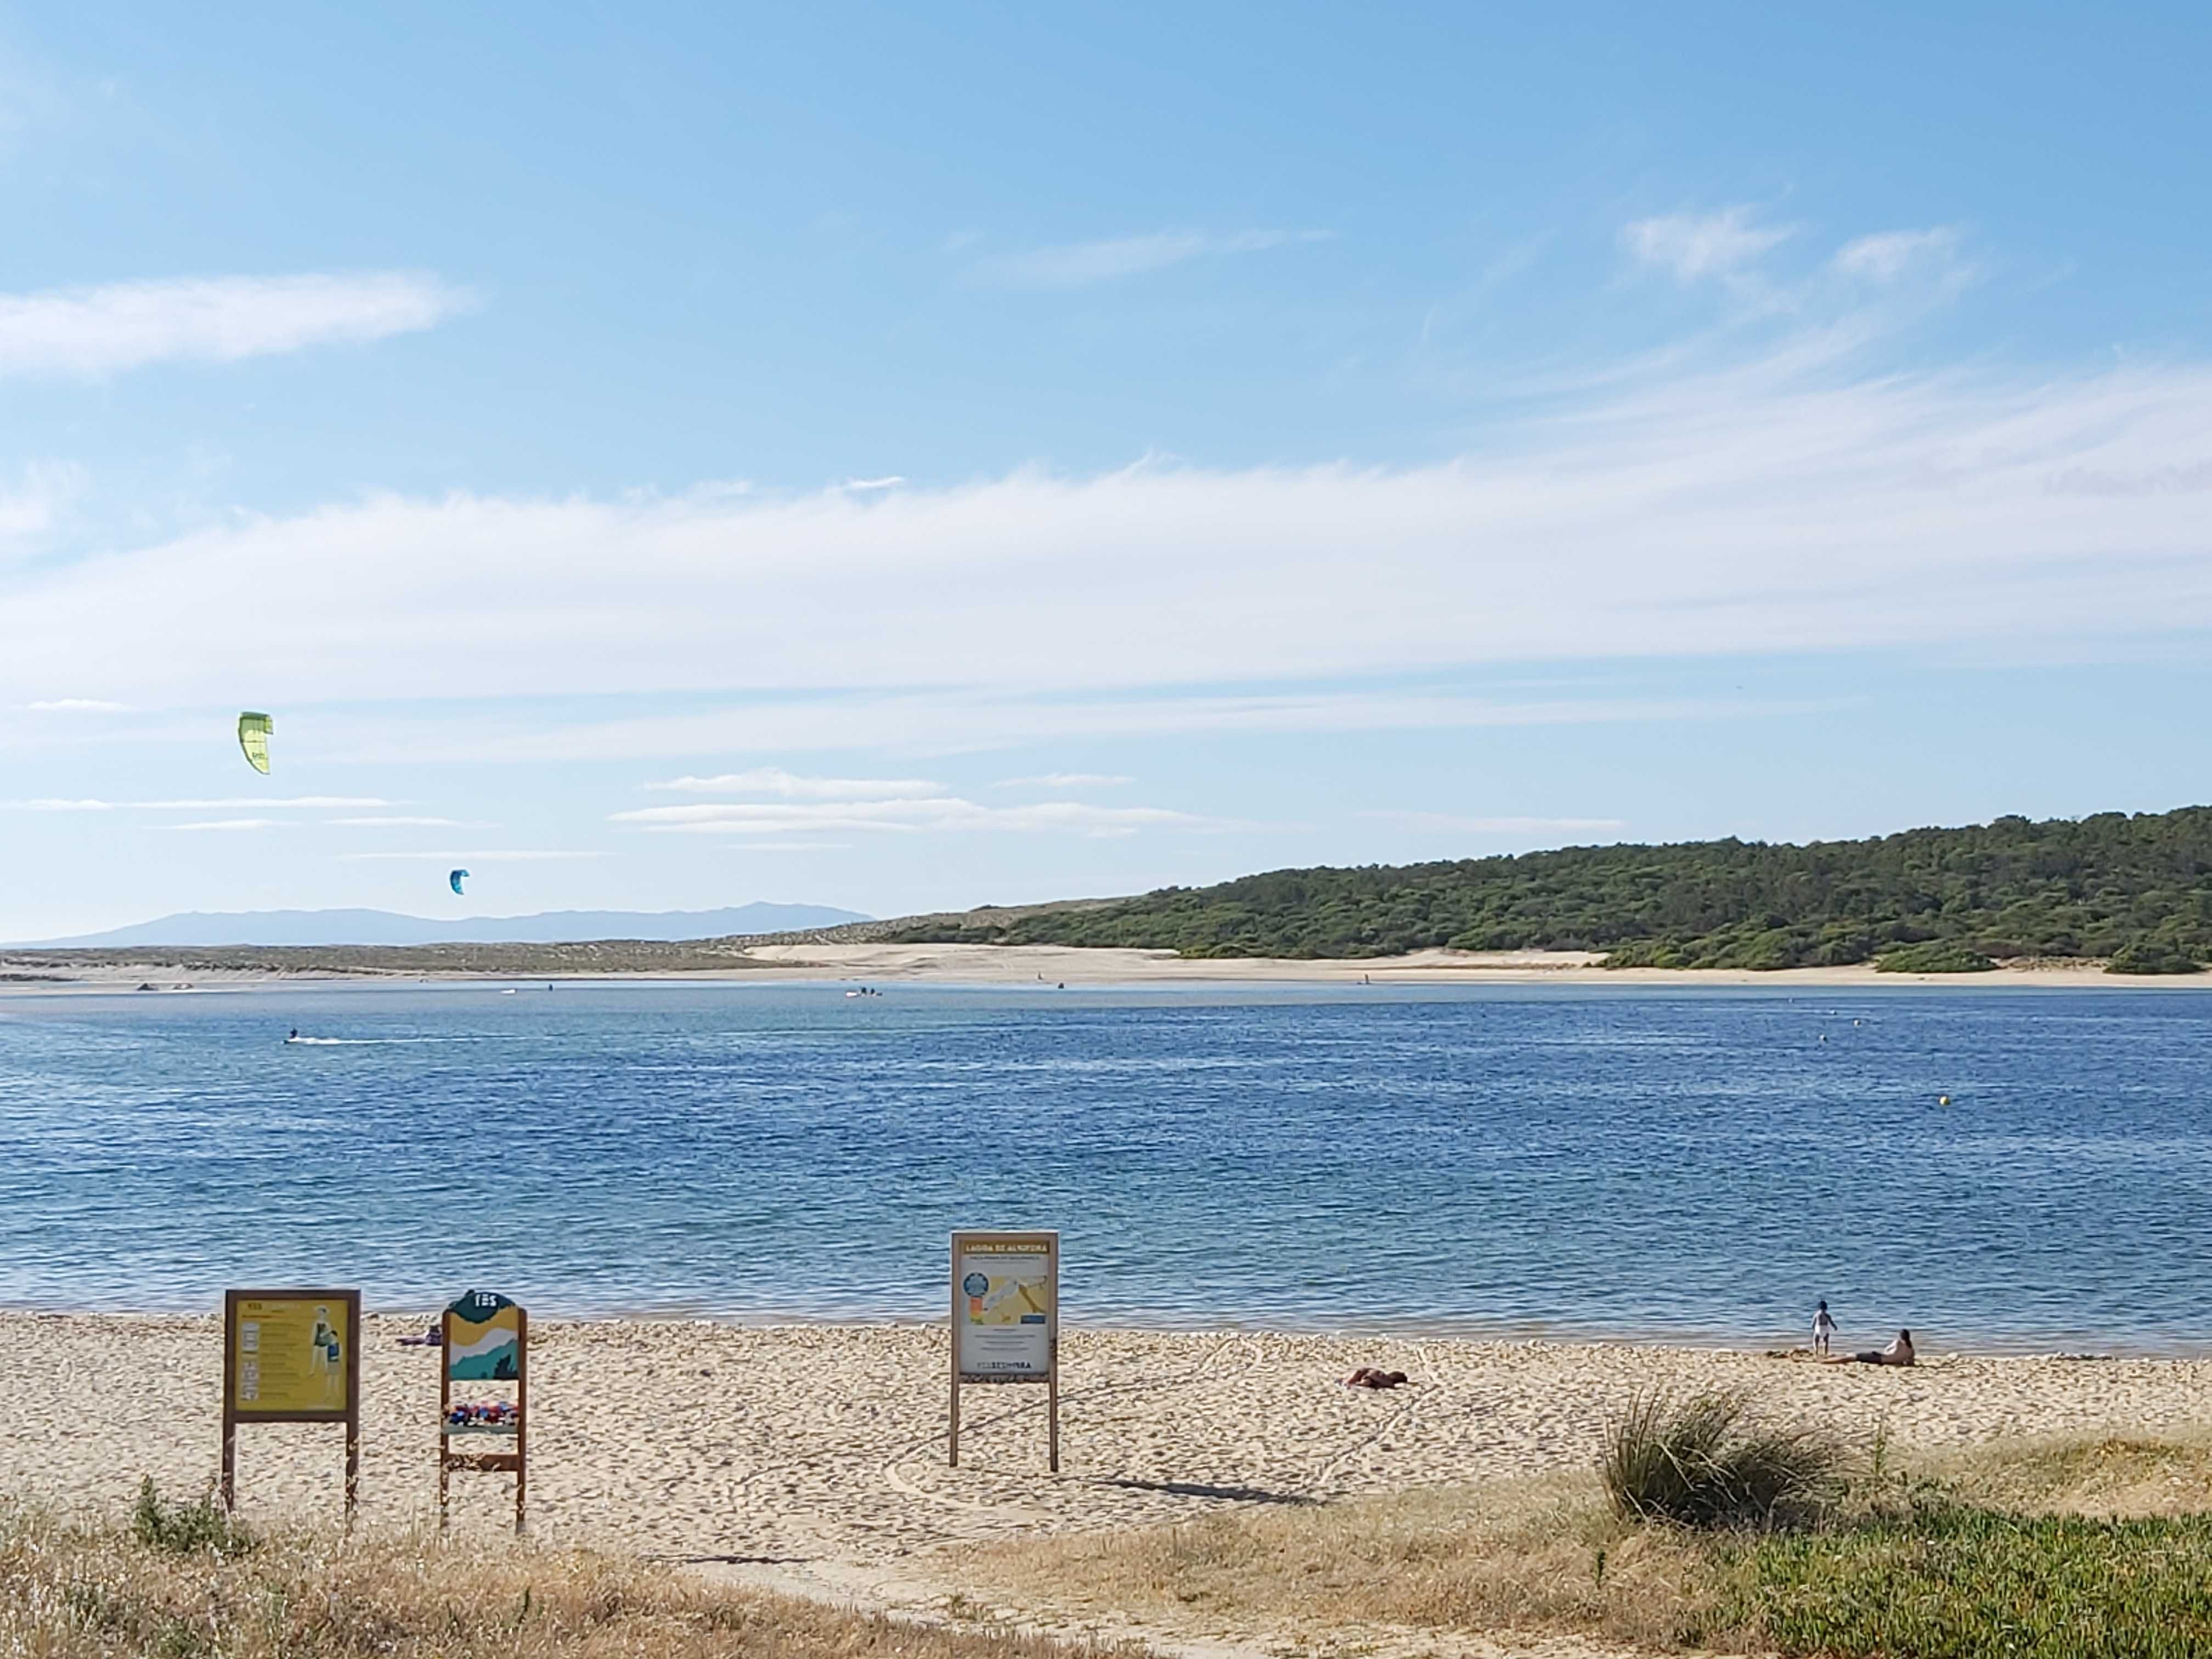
(1367,1376)
(1898,1352)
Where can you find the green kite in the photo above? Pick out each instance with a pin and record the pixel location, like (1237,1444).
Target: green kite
(253,731)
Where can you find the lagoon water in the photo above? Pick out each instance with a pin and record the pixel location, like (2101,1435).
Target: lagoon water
(1694,1163)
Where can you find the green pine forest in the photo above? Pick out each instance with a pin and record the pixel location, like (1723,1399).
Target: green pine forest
(2134,891)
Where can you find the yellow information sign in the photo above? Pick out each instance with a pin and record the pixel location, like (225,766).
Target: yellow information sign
(291,1356)
(1005,1290)
(1005,1320)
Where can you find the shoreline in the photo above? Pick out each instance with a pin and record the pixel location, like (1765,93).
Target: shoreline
(825,1443)
(1038,967)
(2071,1349)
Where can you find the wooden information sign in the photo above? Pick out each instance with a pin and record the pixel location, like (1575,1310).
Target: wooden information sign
(291,1356)
(485,1339)
(1006,1320)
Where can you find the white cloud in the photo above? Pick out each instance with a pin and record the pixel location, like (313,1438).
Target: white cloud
(948,723)
(36,505)
(1692,246)
(77,706)
(1772,505)
(1501,826)
(94,332)
(940,812)
(892,482)
(1078,264)
(404,823)
(1890,255)
(255,802)
(775,780)
(509,855)
(1064,781)
(234,823)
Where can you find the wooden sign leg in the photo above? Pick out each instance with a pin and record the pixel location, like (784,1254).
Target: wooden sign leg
(1052,1410)
(445,1479)
(521,1485)
(353,1468)
(954,1460)
(229,1463)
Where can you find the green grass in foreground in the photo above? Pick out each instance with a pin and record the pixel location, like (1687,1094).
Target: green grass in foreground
(1957,1582)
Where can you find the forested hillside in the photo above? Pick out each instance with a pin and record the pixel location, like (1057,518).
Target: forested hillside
(2136,889)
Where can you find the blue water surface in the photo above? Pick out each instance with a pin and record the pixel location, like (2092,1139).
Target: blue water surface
(1695,1163)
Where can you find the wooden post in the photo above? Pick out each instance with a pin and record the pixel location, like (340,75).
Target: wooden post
(445,1407)
(353,1407)
(521,1414)
(953,1461)
(229,1399)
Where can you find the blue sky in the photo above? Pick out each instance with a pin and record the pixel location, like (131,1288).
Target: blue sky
(904,458)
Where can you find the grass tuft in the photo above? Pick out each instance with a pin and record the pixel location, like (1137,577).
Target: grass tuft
(201,1528)
(1703,1462)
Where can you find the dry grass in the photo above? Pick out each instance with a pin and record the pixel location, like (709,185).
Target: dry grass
(1554,1557)
(69,1591)
(2117,1476)
(1533,1555)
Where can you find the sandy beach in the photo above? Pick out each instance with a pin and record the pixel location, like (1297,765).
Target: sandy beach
(1040,966)
(825,1444)
(1018,964)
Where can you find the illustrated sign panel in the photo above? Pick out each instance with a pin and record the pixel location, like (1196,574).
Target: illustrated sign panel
(484,1340)
(291,1354)
(1006,1296)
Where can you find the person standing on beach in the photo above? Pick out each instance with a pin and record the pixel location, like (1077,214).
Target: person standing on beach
(1824,1326)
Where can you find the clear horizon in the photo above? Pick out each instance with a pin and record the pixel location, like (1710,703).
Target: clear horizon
(903,462)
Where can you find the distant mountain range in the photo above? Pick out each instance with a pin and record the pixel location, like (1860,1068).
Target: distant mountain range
(389,927)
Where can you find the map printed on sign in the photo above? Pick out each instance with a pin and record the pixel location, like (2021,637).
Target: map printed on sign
(291,1356)
(1005,1300)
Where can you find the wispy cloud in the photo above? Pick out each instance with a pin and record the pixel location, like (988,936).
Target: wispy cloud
(39,503)
(1891,254)
(309,802)
(1786,499)
(1692,245)
(238,824)
(1498,826)
(90,332)
(775,780)
(942,812)
(1064,781)
(1079,265)
(504,855)
(890,481)
(77,706)
(406,822)
(968,722)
